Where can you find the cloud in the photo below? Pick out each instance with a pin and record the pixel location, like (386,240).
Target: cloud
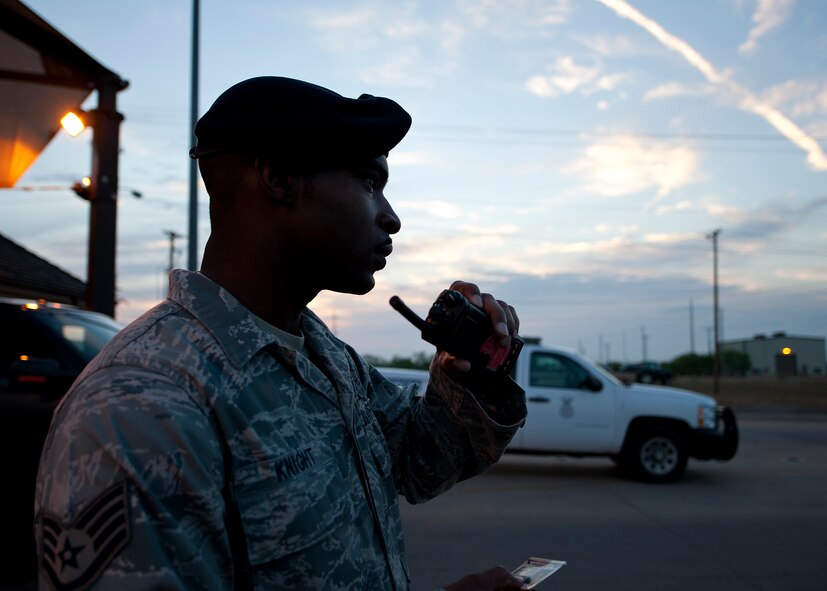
(745,99)
(626,254)
(451,36)
(804,275)
(607,45)
(502,230)
(338,28)
(543,249)
(763,224)
(416,48)
(609,82)
(568,77)
(407,67)
(410,158)
(818,128)
(683,205)
(675,89)
(629,164)
(606,228)
(437,209)
(730,213)
(801,97)
(768,15)
(673,238)
(404,36)
(341,20)
(449,256)
(508,16)
(747,230)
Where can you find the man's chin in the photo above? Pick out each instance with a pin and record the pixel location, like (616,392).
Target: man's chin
(356,287)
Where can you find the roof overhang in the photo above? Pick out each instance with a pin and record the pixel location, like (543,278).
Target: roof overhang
(43,75)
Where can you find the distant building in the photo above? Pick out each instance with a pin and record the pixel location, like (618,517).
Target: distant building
(781,354)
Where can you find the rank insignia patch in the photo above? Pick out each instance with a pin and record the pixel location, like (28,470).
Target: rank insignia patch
(73,556)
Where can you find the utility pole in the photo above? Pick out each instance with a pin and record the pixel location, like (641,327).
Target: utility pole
(691,326)
(716,364)
(643,338)
(172,236)
(192,261)
(623,342)
(100,283)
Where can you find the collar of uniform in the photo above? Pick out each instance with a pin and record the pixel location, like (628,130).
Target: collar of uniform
(231,324)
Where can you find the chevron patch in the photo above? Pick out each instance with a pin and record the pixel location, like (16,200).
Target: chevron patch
(73,556)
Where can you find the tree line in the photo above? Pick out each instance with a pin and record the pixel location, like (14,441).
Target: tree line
(733,363)
(419,360)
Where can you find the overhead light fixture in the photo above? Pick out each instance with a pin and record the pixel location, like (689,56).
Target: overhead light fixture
(73,123)
(83,188)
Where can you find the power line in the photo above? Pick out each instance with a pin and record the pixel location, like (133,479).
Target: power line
(479,130)
(790,150)
(157,115)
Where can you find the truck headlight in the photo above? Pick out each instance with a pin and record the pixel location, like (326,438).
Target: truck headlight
(707,416)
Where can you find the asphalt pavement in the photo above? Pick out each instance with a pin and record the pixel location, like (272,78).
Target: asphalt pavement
(757,522)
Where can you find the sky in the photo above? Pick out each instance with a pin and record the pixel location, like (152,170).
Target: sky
(570,157)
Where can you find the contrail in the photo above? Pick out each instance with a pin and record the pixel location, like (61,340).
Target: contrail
(747,101)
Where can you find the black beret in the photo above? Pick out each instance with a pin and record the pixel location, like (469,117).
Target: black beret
(298,124)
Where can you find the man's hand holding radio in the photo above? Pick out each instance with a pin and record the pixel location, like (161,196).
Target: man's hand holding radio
(504,322)
(475,336)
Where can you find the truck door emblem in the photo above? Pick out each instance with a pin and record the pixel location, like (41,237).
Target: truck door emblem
(566,408)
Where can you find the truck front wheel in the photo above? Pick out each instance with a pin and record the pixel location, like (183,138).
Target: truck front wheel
(656,454)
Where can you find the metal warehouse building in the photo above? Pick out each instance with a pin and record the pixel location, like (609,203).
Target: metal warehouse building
(781,354)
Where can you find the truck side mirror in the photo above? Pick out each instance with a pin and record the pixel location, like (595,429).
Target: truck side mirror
(592,383)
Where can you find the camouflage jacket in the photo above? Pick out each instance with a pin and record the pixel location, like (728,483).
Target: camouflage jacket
(198,452)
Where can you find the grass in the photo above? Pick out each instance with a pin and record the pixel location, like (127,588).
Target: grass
(794,392)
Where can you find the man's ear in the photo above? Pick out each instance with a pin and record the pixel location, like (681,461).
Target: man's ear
(280,186)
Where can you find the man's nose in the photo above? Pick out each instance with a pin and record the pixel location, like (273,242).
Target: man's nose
(388,220)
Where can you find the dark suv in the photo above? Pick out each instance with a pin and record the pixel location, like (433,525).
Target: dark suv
(647,372)
(43,348)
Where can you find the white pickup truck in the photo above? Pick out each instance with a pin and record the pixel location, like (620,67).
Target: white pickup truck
(577,408)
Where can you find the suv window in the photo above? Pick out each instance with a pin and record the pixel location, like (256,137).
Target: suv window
(84,332)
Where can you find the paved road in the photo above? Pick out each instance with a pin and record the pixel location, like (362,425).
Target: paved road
(756,522)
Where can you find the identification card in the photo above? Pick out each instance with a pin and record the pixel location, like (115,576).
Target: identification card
(534,570)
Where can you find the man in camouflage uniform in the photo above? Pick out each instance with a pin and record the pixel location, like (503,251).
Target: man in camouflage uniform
(226,439)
